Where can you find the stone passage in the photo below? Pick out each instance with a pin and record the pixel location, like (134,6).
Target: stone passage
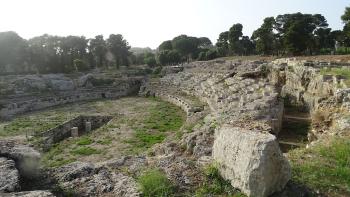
(72,128)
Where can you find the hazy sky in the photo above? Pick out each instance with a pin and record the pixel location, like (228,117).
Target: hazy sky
(149,22)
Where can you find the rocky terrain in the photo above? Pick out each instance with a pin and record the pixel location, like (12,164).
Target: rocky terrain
(234,114)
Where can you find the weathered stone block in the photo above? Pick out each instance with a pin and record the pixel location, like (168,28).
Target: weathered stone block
(9,176)
(74,132)
(251,160)
(87,126)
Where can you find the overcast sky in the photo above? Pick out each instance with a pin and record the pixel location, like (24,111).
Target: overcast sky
(149,22)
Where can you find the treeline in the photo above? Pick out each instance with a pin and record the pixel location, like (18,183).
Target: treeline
(284,35)
(55,54)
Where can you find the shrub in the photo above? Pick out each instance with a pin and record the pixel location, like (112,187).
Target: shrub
(202,56)
(211,54)
(150,61)
(155,183)
(80,65)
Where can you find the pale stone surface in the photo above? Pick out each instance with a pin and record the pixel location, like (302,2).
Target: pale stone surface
(26,157)
(252,161)
(87,126)
(74,132)
(9,176)
(86,179)
(36,193)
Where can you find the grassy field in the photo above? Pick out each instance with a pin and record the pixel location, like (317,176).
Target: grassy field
(138,124)
(324,167)
(344,72)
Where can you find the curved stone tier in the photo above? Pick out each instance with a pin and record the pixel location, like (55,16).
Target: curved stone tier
(245,113)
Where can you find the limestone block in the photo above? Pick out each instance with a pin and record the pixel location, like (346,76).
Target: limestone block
(87,126)
(9,176)
(251,160)
(74,132)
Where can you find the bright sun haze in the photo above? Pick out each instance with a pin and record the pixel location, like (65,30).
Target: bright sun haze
(148,23)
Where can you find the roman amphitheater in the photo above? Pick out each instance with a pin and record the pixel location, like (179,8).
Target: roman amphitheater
(94,134)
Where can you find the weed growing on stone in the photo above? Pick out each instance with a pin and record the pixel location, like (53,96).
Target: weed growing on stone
(324,167)
(155,183)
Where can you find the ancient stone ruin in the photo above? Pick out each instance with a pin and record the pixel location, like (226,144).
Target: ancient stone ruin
(72,128)
(240,105)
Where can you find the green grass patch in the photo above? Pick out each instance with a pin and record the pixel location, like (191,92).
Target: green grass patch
(215,185)
(165,117)
(84,141)
(106,141)
(56,157)
(162,119)
(85,151)
(324,167)
(344,72)
(155,183)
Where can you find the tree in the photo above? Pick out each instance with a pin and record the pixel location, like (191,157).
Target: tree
(186,46)
(222,44)
(167,57)
(166,45)
(71,48)
(297,31)
(149,59)
(324,39)
(46,54)
(119,47)
(247,46)
(204,43)
(234,35)
(98,48)
(346,30)
(13,52)
(80,65)
(265,37)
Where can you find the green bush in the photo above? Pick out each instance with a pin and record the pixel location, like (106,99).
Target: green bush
(202,56)
(150,61)
(212,54)
(80,65)
(155,183)
(343,50)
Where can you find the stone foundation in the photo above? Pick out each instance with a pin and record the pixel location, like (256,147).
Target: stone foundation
(72,128)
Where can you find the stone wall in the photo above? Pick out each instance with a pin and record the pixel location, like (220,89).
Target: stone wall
(21,103)
(63,131)
(302,83)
